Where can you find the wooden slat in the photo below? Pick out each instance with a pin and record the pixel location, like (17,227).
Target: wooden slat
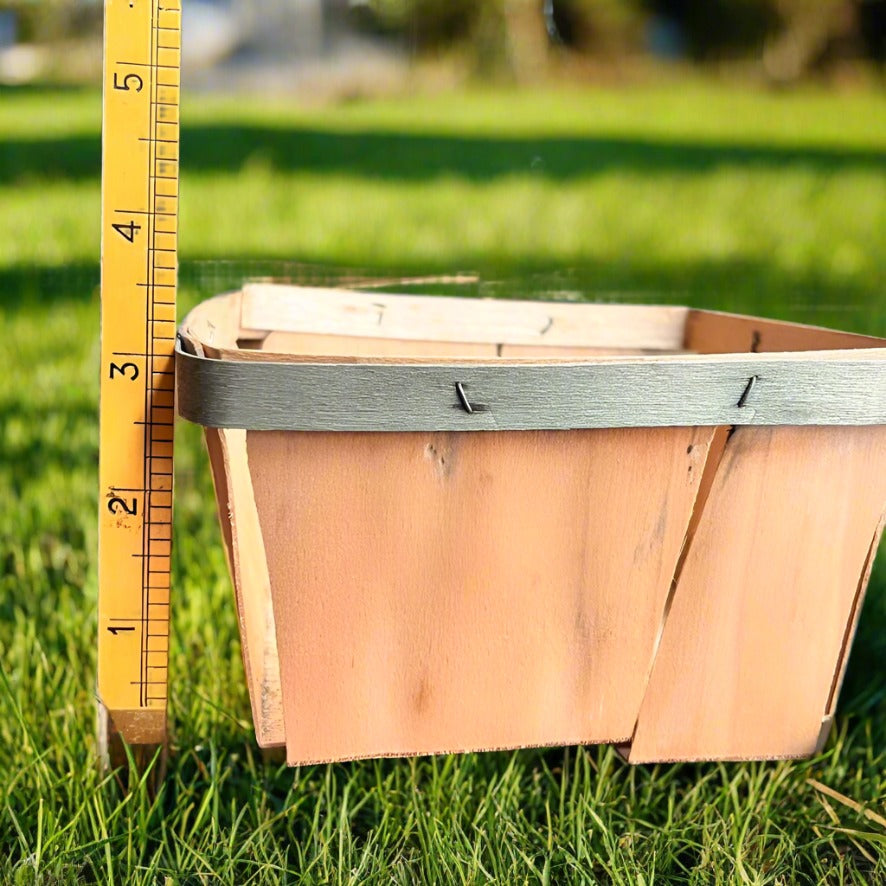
(763,389)
(445,592)
(709,332)
(598,328)
(352,346)
(337,346)
(849,635)
(380,315)
(754,632)
(245,552)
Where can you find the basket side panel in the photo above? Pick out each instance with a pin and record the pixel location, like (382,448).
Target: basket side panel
(753,638)
(708,332)
(248,568)
(852,626)
(446,592)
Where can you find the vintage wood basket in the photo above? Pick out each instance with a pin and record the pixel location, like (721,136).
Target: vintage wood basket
(460,524)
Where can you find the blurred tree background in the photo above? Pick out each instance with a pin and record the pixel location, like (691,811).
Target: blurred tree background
(791,37)
(784,40)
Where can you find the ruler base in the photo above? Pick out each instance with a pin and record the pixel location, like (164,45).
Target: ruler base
(145,733)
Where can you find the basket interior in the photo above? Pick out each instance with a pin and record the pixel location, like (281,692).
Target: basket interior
(273,322)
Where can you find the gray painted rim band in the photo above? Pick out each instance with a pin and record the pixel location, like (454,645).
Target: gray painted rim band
(271,396)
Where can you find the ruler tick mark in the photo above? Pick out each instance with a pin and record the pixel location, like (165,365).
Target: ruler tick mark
(152,65)
(147,212)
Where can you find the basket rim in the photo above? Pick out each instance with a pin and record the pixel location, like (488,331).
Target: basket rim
(840,382)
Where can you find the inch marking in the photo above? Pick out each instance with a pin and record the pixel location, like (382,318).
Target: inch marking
(151,65)
(147,212)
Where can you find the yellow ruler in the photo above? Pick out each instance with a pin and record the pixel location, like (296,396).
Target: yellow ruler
(139,248)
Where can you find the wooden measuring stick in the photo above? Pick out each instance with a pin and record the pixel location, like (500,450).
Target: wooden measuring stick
(139,277)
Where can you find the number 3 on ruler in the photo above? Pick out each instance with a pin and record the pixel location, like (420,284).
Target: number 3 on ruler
(117,370)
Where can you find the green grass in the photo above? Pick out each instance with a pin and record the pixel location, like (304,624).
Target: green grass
(698,194)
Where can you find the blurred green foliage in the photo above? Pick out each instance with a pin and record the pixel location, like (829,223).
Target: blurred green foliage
(722,27)
(789,37)
(431,22)
(795,34)
(44,20)
(599,25)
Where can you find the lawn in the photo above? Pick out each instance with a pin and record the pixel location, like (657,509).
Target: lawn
(701,194)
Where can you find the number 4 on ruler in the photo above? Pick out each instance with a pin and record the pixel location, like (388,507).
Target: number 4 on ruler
(127,232)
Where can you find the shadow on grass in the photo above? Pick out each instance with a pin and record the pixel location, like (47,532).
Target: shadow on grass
(36,438)
(408,157)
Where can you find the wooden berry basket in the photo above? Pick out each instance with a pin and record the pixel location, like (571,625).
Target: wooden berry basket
(662,541)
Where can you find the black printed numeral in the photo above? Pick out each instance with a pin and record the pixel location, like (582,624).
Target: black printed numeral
(127,232)
(122,506)
(127,370)
(116,631)
(130,82)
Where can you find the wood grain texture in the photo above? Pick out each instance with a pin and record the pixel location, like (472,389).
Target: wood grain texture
(559,396)
(852,625)
(445,592)
(351,346)
(754,634)
(288,329)
(694,591)
(307,345)
(380,315)
(710,332)
(245,550)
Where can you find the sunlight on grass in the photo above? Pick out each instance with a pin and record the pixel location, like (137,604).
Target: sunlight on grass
(766,203)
